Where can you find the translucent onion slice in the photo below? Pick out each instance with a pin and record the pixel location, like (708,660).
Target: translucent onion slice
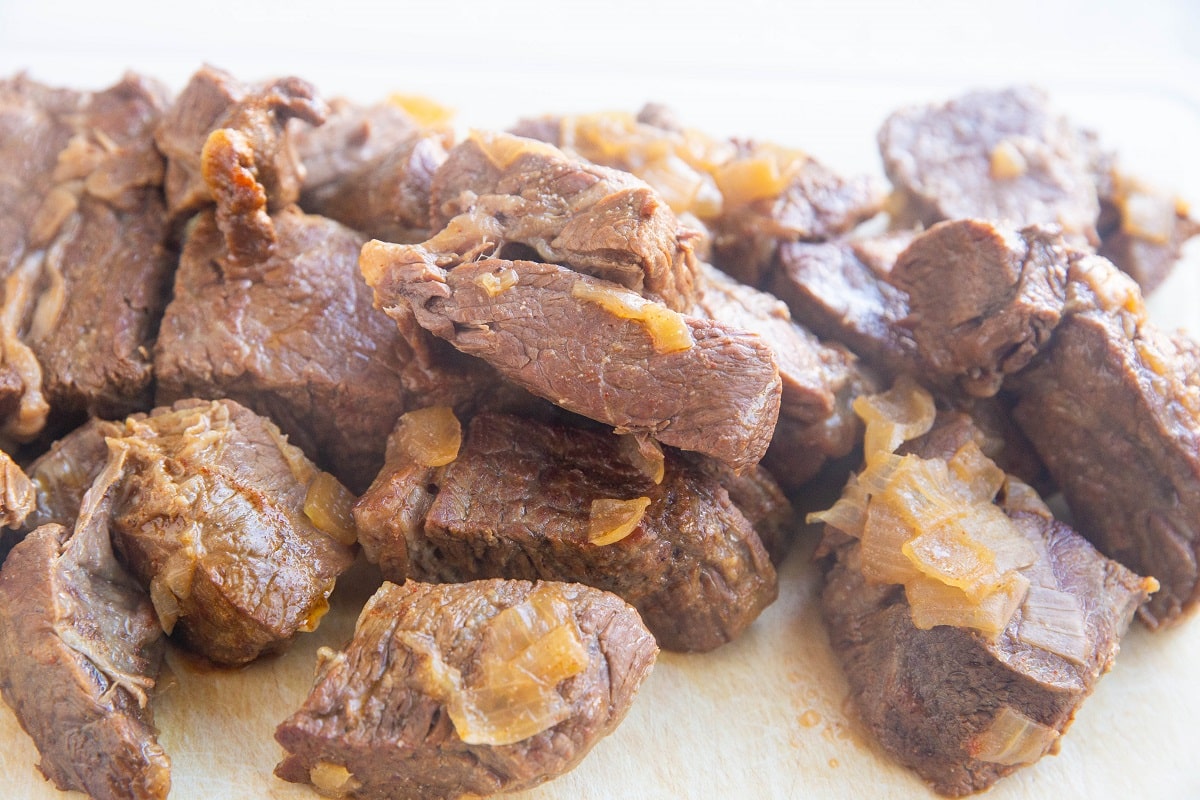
(667,329)
(976,473)
(529,649)
(934,603)
(884,534)
(332,780)
(329,506)
(1013,739)
(611,520)
(848,514)
(1053,620)
(430,436)
(903,412)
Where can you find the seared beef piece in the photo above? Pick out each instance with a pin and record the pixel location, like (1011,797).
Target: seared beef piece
(387,198)
(81,649)
(592,347)
(213,518)
(840,291)
(351,137)
(206,99)
(497,190)
(85,272)
(929,696)
(815,204)
(759,497)
(381,719)
(1112,408)
(988,422)
(296,339)
(18,497)
(983,299)
(1002,155)
(517,502)
(230,145)
(62,474)
(820,381)
(1142,230)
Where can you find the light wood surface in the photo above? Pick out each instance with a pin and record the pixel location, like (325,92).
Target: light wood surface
(766,716)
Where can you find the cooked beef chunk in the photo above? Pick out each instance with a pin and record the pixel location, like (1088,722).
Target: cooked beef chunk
(749,196)
(1109,402)
(1113,407)
(820,381)
(417,705)
(387,198)
(229,144)
(813,203)
(525,499)
(81,250)
(592,347)
(1142,230)
(1002,155)
(218,515)
(983,299)
(81,649)
(496,190)
(759,497)
(62,474)
(934,699)
(352,137)
(840,291)
(297,340)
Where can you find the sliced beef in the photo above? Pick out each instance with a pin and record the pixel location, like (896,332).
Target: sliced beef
(933,698)
(295,338)
(840,291)
(820,381)
(351,137)
(810,203)
(218,516)
(1113,407)
(520,499)
(418,704)
(983,299)
(1002,155)
(498,190)
(81,648)
(81,250)
(64,473)
(592,347)
(387,198)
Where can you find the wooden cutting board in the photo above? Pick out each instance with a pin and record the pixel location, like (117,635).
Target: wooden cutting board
(764,717)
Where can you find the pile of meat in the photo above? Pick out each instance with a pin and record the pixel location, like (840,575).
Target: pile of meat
(565,386)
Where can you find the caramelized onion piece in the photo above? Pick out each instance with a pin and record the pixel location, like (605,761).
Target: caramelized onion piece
(1013,739)
(903,412)
(498,281)
(529,649)
(667,329)
(646,454)
(430,436)
(332,780)
(612,520)
(329,506)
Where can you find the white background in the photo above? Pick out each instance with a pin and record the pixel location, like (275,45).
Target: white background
(815,75)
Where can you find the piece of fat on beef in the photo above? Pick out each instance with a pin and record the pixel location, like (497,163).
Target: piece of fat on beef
(420,704)
(999,154)
(296,338)
(819,380)
(592,347)
(371,168)
(840,291)
(533,500)
(1113,407)
(497,193)
(929,697)
(84,269)
(237,536)
(81,648)
(983,299)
